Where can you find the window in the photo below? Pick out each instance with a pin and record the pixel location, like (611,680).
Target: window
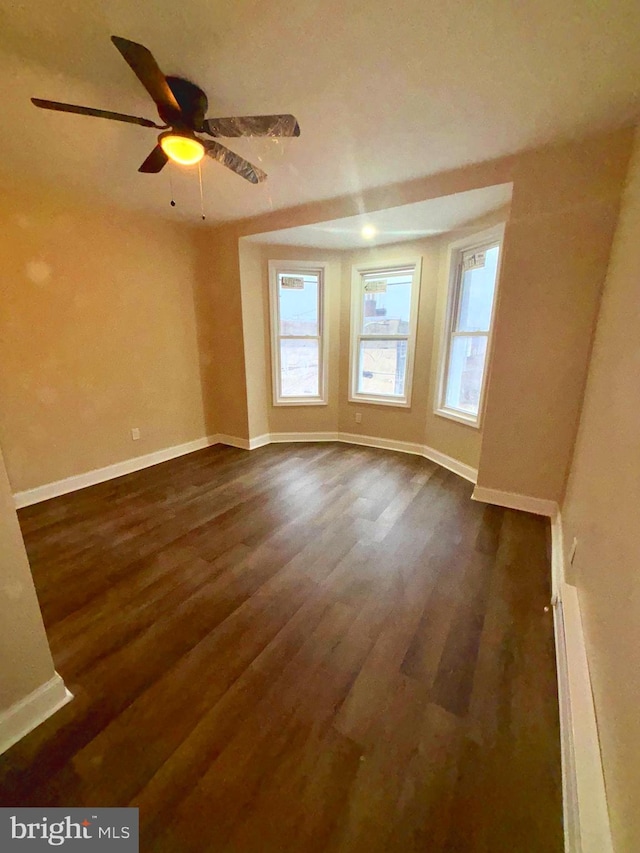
(384,317)
(297,333)
(473,279)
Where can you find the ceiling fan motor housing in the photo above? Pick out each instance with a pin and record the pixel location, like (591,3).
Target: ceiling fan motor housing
(193,103)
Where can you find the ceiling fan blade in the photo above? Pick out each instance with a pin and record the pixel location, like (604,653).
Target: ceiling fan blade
(277,125)
(90,111)
(146,69)
(155,162)
(234,162)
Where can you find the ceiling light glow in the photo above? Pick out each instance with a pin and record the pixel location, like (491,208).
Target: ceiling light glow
(185,150)
(368,232)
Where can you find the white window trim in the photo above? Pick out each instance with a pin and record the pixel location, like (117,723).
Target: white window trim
(475,241)
(313,267)
(357,271)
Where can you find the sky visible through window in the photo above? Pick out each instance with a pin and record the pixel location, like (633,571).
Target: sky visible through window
(299,307)
(393,303)
(476,298)
(468,352)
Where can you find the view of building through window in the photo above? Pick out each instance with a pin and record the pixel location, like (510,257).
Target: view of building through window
(383,367)
(299,368)
(384,334)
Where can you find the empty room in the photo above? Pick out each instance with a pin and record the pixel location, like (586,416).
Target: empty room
(319,406)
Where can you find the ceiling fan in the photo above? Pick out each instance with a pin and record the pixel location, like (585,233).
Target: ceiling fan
(182,106)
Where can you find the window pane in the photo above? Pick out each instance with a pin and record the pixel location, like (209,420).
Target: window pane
(381,368)
(298,294)
(478,286)
(299,373)
(466,366)
(387,304)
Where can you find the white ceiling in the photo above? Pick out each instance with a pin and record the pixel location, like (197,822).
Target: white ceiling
(397,224)
(384,92)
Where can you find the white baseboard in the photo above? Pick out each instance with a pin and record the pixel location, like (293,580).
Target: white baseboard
(128,466)
(110,472)
(586,815)
(460,468)
(381,443)
(22,717)
(511,500)
(296,437)
(570,812)
(259,441)
(424,450)
(233,441)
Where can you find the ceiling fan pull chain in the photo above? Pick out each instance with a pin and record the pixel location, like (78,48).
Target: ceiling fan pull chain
(201,194)
(173,201)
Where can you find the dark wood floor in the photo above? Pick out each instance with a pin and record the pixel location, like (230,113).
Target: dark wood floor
(304,648)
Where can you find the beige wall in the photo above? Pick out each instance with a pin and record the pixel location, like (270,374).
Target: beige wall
(98,334)
(563,215)
(25,660)
(255,323)
(601,509)
(222,348)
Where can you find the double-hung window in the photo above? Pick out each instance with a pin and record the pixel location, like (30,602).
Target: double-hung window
(298,340)
(384,319)
(474,265)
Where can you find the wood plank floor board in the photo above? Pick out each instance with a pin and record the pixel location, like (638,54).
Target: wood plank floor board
(316,648)
(183,695)
(281,724)
(191,760)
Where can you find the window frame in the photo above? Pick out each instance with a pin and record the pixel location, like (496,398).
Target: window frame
(480,240)
(277,268)
(358,272)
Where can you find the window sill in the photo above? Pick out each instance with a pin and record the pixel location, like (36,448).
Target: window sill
(300,401)
(398,402)
(470,421)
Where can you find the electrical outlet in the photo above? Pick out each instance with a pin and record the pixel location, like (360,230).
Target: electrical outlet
(572,552)
(135,434)
(358,417)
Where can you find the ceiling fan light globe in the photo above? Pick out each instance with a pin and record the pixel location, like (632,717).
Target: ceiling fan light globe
(184,150)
